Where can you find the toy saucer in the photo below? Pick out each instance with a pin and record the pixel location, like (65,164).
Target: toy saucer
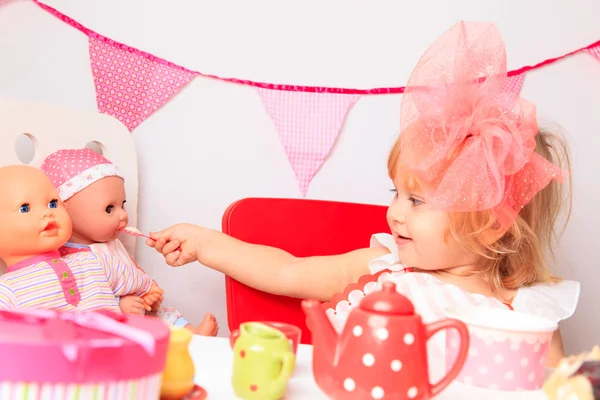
(197,393)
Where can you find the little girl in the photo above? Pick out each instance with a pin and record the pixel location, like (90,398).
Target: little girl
(476,196)
(93,192)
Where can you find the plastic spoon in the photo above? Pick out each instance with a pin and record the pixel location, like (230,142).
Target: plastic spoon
(130,230)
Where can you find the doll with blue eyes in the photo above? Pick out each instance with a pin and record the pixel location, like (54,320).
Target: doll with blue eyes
(93,191)
(34,224)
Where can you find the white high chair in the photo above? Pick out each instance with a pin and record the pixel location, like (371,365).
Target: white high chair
(48,129)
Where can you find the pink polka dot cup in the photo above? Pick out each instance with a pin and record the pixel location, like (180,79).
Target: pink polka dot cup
(507,349)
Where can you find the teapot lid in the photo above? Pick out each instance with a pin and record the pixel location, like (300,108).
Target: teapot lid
(387,301)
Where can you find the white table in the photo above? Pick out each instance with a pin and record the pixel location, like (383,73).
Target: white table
(213,357)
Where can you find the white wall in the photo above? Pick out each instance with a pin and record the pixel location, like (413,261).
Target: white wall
(214,143)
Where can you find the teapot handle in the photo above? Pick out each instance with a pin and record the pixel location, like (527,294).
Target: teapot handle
(463,332)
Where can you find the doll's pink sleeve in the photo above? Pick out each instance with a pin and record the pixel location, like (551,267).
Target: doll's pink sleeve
(7,297)
(124,278)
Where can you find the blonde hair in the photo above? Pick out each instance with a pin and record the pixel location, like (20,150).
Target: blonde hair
(516,256)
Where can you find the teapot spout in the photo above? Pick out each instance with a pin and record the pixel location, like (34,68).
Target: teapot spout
(325,337)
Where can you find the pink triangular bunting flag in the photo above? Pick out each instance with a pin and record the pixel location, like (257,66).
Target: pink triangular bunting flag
(514,83)
(131,85)
(512,88)
(595,51)
(308,125)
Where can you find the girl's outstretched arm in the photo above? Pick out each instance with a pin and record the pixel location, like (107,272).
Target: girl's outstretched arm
(264,268)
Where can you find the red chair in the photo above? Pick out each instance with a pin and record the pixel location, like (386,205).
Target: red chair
(302,228)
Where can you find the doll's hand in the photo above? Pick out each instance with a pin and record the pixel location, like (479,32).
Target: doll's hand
(132,304)
(178,244)
(156,305)
(154,295)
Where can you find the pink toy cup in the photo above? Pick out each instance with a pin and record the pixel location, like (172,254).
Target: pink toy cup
(507,351)
(292,332)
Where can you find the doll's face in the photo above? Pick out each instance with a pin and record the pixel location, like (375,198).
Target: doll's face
(32,218)
(98,211)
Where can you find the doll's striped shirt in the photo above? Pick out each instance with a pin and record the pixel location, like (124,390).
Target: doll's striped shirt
(35,283)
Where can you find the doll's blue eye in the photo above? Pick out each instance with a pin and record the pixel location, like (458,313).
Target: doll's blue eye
(53,204)
(24,208)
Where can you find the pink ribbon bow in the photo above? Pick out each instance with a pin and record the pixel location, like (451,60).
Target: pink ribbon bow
(100,321)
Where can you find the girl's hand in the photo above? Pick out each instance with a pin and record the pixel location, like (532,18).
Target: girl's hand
(132,304)
(178,244)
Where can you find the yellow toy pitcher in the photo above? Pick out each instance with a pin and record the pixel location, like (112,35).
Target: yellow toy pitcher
(178,378)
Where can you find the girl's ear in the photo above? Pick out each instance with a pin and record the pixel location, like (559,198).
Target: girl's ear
(491,235)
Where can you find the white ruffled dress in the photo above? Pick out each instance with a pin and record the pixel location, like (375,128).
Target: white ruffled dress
(430,297)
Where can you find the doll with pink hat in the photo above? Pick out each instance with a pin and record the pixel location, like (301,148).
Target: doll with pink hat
(34,224)
(93,192)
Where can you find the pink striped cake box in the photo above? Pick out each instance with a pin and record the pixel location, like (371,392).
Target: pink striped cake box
(49,355)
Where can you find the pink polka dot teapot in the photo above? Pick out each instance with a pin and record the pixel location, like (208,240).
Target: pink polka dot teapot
(382,351)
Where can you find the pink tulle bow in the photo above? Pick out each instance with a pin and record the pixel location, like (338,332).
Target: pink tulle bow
(464,134)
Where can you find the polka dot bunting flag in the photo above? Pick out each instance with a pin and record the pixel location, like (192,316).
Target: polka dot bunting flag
(130,84)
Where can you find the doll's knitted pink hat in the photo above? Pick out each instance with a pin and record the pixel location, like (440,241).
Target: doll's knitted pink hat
(71,171)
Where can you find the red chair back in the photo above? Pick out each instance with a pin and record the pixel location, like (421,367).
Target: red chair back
(302,228)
